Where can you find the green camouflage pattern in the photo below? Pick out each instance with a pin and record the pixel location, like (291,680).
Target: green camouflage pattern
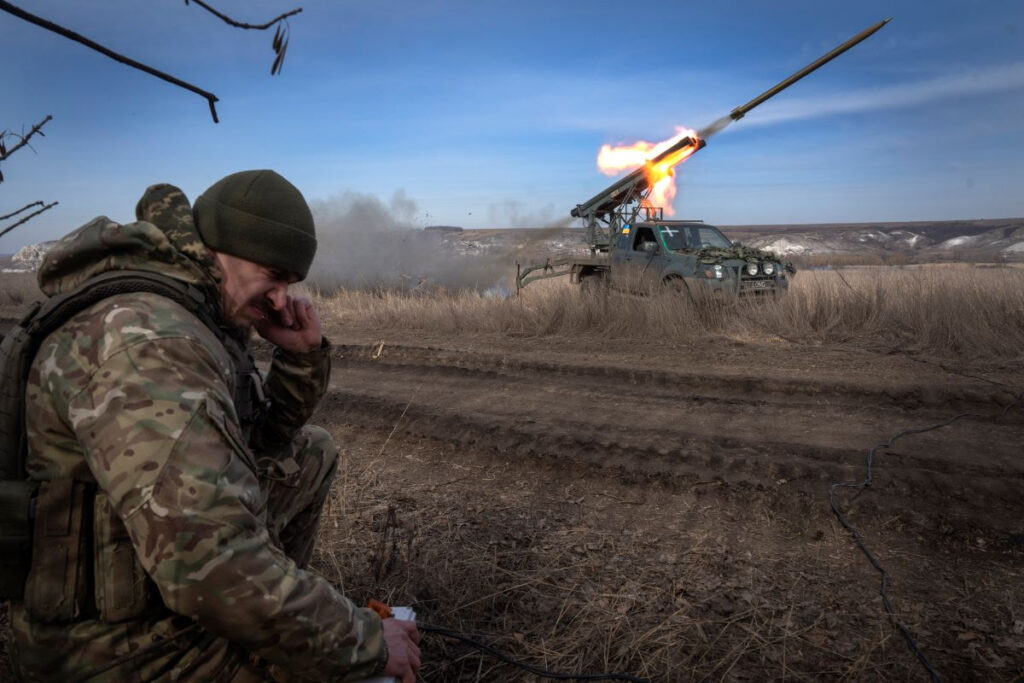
(735,251)
(101,245)
(742,252)
(134,393)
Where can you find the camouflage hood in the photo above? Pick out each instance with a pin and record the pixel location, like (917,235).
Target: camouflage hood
(743,253)
(735,251)
(164,239)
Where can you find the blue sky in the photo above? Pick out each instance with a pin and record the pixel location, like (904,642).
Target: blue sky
(490,113)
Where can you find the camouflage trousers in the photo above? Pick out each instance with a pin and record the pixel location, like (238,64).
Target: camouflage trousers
(296,483)
(296,492)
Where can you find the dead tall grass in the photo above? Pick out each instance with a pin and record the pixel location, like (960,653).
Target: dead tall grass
(940,309)
(584,579)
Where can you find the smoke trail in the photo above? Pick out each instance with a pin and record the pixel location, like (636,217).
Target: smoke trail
(956,86)
(709,130)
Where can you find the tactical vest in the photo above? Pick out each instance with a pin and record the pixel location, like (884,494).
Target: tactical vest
(19,516)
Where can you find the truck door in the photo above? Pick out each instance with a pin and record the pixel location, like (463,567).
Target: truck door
(680,244)
(639,267)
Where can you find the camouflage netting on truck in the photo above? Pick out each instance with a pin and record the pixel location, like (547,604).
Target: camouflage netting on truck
(742,252)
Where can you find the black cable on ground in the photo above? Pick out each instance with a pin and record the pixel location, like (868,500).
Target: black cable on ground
(483,647)
(866,482)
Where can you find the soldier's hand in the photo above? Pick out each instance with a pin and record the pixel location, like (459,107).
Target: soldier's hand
(402,639)
(294,327)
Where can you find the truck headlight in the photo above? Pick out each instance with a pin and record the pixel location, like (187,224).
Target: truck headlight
(769,269)
(751,269)
(716,271)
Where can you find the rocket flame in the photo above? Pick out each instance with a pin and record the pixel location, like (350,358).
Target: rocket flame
(660,176)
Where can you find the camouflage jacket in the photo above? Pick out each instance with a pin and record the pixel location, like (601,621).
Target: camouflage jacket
(134,394)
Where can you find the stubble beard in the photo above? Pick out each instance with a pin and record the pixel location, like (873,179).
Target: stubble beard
(245,317)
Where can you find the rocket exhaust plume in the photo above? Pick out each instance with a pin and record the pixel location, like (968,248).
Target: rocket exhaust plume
(658,161)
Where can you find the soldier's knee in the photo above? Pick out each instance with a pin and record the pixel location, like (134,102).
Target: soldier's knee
(316,450)
(318,440)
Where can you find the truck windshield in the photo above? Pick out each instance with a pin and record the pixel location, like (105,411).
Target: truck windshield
(692,237)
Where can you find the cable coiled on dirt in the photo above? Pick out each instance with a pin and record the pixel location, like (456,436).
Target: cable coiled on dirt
(866,482)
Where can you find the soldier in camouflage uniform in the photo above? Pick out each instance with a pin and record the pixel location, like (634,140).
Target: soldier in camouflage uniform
(174,519)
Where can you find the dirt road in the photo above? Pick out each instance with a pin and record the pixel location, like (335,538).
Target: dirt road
(750,420)
(705,469)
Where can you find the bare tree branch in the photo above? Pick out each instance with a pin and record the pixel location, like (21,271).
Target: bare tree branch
(26,218)
(78,38)
(15,213)
(239,24)
(4,152)
(280,42)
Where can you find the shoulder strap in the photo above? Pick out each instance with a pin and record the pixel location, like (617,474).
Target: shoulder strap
(19,346)
(57,310)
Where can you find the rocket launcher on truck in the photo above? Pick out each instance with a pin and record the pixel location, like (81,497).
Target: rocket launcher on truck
(605,213)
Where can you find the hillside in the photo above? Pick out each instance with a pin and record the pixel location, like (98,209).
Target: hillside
(486,259)
(910,242)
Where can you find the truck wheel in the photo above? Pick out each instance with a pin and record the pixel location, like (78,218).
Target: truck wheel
(676,285)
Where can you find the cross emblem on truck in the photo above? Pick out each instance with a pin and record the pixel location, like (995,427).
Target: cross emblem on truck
(665,230)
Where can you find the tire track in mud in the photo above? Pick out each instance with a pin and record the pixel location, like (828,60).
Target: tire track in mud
(687,427)
(732,387)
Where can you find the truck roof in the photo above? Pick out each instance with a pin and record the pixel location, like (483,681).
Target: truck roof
(693,221)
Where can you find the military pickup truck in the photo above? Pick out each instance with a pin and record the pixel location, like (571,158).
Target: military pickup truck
(679,255)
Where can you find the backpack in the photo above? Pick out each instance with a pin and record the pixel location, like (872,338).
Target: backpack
(17,351)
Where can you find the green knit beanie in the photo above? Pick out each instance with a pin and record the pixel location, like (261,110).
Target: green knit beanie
(258,216)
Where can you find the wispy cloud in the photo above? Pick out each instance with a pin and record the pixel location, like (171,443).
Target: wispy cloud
(980,81)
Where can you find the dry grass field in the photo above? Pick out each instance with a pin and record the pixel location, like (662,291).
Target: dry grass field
(953,309)
(639,484)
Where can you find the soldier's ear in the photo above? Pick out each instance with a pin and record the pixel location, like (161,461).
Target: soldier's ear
(219,260)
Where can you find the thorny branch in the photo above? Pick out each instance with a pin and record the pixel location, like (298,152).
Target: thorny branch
(4,152)
(26,218)
(78,38)
(280,42)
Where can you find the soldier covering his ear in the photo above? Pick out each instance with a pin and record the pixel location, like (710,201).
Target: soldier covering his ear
(180,490)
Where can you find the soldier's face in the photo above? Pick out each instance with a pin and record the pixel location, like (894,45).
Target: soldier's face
(251,291)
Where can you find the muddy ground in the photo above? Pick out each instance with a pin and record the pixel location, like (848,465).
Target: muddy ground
(675,498)
(662,510)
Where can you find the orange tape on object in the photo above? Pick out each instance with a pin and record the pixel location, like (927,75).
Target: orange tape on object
(382,610)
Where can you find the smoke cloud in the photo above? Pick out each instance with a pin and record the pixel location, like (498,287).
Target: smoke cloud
(352,212)
(513,214)
(368,244)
